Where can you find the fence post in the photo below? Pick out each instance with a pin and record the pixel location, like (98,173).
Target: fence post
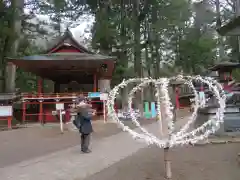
(9,119)
(23,111)
(40,116)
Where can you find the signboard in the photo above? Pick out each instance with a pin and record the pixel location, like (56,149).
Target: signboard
(153,109)
(201,95)
(94,95)
(202,98)
(54,113)
(60,106)
(103,96)
(6,111)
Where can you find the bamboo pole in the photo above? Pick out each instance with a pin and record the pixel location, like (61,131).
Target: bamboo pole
(167,159)
(167,163)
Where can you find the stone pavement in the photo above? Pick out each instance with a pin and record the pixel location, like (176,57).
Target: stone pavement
(70,164)
(37,140)
(28,143)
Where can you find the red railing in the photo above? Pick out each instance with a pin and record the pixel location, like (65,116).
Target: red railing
(36,96)
(9,122)
(43,114)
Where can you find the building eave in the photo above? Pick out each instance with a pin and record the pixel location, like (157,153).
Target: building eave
(231,25)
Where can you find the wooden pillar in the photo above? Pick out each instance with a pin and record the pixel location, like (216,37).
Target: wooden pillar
(177,103)
(40,86)
(230,76)
(95,82)
(40,91)
(10,77)
(56,87)
(40,116)
(23,111)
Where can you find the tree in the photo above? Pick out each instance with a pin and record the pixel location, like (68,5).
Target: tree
(62,13)
(196,54)
(146,36)
(150,33)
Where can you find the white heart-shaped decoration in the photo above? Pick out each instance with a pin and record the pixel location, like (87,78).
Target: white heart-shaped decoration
(165,111)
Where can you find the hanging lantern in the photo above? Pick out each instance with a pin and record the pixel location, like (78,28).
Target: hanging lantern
(104,67)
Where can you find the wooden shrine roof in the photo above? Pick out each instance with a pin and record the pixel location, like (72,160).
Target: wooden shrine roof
(66,59)
(231,28)
(67,38)
(65,66)
(65,56)
(225,66)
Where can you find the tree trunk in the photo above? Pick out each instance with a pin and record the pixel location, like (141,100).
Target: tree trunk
(155,44)
(123,57)
(237,9)
(149,91)
(137,50)
(137,45)
(3,62)
(17,6)
(218,25)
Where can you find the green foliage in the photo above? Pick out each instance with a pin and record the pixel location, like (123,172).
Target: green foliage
(144,35)
(26,81)
(166,34)
(196,54)
(59,11)
(62,12)
(236,74)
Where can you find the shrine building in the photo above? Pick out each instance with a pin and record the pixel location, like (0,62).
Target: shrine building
(74,70)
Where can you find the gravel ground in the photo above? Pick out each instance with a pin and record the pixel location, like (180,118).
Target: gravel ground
(211,162)
(24,144)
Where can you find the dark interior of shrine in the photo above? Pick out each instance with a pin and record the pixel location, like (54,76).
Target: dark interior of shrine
(75,83)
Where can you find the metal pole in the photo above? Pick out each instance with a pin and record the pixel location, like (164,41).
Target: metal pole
(104,111)
(61,120)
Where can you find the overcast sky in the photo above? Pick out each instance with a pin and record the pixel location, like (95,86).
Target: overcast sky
(78,32)
(85,24)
